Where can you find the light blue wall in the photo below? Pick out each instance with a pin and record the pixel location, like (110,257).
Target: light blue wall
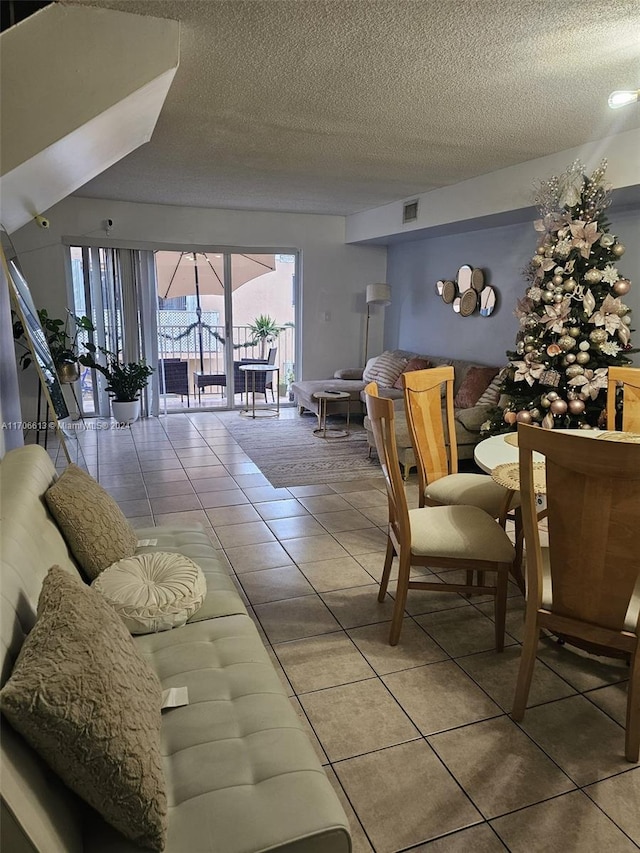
(419,320)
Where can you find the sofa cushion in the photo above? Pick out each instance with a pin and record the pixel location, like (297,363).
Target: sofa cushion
(385,369)
(476,381)
(153,592)
(491,394)
(413,364)
(90,520)
(85,699)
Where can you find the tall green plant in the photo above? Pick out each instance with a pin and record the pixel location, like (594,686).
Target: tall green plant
(265,330)
(125,381)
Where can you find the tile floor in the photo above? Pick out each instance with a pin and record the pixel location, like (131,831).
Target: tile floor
(416,739)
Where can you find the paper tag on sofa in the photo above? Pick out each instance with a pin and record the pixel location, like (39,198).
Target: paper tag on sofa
(174,697)
(143,543)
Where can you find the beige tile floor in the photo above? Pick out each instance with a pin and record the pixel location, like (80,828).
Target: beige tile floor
(416,739)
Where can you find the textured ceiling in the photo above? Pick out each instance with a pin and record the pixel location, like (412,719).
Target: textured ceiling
(335,107)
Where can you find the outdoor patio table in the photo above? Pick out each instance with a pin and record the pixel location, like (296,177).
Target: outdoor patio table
(262,411)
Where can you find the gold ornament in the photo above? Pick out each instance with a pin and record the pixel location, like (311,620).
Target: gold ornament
(547,296)
(557,279)
(574,370)
(558,407)
(545,402)
(552,395)
(566,342)
(510,417)
(547,421)
(583,358)
(621,287)
(570,358)
(598,336)
(583,345)
(592,276)
(574,331)
(618,250)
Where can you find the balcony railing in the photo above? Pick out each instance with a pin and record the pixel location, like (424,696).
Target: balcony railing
(188,343)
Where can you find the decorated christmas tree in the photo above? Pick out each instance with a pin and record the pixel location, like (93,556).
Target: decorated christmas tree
(573,322)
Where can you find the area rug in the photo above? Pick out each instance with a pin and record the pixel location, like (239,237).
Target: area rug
(289,454)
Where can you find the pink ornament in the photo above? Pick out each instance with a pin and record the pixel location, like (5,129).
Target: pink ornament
(576,407)
(558,407)
(524,417)
(510,417)
(553,349)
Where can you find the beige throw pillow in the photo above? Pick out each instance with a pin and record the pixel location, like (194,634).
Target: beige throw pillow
(153,591)
(90,520)
(385,369)
(89,704)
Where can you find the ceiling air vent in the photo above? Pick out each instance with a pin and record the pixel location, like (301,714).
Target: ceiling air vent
(410,211)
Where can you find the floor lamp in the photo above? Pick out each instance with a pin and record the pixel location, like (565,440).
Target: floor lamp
(377,294)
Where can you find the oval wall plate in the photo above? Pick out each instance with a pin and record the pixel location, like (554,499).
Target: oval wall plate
(448,291)
(487,302)
(468,302)
(477,280)
(464,278)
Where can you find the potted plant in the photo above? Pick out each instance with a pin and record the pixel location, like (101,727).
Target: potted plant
(62,345)
(265,330)
(124,381)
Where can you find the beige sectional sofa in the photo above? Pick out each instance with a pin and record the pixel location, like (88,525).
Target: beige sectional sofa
(468,421)
(240,770)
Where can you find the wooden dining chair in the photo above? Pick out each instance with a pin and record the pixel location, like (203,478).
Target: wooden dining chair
(445,537)
(586,585)
(436,450)
(629,377)
(433,435)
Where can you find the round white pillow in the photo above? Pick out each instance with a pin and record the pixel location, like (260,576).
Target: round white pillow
(153,591)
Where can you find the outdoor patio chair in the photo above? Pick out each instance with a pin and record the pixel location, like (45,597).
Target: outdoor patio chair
(174,377)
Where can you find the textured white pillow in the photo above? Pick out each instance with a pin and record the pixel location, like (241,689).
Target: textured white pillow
(153,591)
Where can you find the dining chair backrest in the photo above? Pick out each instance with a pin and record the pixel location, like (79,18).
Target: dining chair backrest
(434,446)
(382,416)
(271,357)
(630,379)
(591,581)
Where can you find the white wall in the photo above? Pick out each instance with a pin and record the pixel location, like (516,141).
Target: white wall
(498,192)
(334,275)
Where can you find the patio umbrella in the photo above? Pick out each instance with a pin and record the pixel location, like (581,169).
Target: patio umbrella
(201,273)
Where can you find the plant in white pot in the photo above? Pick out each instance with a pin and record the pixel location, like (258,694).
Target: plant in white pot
(124,382)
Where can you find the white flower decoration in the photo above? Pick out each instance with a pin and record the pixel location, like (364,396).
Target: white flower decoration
(610,348)
(610,274)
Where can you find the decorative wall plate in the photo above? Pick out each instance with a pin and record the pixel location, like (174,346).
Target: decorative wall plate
(448,291)
(477,280)
(439,287)
(456,305)
(464,278)
(468,302)
(487,301)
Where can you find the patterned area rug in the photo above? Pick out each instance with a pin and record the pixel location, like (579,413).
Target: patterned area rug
(289,454)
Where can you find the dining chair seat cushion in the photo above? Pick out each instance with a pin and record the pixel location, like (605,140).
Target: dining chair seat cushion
(477,490)
(459,532)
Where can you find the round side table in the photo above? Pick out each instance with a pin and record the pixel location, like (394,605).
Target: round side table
(324,398)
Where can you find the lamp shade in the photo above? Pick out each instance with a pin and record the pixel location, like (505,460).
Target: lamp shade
(378,294)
